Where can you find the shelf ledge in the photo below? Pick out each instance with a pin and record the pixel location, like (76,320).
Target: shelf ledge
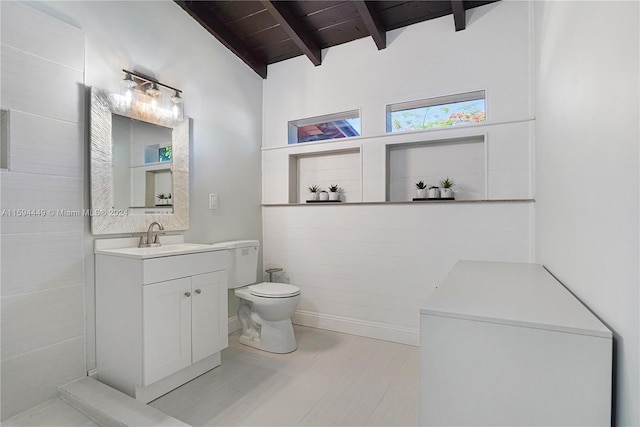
(425,202)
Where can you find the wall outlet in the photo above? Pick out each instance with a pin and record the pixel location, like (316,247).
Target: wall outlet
(213,201)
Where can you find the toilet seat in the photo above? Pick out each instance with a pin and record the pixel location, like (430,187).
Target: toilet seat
(274,290)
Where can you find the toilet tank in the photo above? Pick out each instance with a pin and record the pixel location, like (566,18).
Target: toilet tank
(243,262)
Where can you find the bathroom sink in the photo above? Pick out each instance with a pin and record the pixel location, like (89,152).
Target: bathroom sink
(159,251)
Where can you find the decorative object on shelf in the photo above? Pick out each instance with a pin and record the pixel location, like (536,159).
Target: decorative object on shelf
(434,192)
(314,190)
(164,200)
(323,196)
(148,94)
(421,190)
(447,184)
(334,192)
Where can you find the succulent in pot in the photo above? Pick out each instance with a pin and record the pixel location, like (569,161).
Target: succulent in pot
(447,184)
(163,198)
(421,190)
(314,190)
(334,192)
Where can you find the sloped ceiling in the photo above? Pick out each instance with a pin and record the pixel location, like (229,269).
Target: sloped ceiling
(263,32)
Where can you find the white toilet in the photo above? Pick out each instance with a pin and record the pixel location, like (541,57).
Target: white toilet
(265,308)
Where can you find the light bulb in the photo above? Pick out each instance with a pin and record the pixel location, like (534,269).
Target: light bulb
(176,111)
(154,104)
(128,96)
(128,81)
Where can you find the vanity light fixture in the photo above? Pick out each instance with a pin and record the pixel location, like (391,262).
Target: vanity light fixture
(150,93)
(128,81)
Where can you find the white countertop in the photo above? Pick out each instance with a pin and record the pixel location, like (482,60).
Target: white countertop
(171,245)
(515,294)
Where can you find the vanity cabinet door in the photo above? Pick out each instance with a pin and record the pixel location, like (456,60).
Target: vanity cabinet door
(209,314)
(166,328)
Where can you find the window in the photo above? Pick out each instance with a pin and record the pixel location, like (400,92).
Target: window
(330,126)
(453,110)
(164,153)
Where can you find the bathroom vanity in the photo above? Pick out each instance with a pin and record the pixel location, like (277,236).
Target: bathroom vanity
(507,344)
(161,313)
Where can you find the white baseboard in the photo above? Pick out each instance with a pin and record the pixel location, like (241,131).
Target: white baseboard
(234,324)
(365,328)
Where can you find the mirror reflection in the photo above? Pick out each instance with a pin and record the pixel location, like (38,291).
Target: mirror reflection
(142,157)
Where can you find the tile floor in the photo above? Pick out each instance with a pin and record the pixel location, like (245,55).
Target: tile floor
(53,413)
(332,379)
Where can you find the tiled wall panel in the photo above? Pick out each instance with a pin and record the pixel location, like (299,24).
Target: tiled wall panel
(34,377)
(42,271)
(40,35)
(61,155)
(38,86)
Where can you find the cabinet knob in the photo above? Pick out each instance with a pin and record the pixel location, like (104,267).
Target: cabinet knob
(187,294)
(198,291)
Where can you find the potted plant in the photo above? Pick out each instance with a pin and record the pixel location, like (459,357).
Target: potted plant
(447,185)
(162,199)
(434,192)
(314,190)
(421,190)
(334,192)
(324,196)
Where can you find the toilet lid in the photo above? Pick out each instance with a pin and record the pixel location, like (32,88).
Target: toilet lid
(274,290)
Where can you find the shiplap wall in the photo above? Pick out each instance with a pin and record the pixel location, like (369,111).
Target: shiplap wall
(42,283)
(367,268)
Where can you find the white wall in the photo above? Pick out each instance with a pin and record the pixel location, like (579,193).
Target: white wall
(367,268)
(223,98)
(587,217)
(43,338)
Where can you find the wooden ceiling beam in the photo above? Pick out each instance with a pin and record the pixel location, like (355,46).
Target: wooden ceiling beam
(288,22)
(198,10)
(459,15)
(372,22)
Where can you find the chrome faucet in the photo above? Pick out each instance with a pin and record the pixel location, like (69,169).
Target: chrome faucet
(152,238)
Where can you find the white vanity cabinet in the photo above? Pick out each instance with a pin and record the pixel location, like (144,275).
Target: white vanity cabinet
(160,320)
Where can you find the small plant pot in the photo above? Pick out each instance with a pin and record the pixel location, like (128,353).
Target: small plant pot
(324,195)
(313,196)
(421,193)
(434,193)
(446,193)
(334,195)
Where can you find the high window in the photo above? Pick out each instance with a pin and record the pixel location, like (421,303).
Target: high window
(330,126)
(452,110)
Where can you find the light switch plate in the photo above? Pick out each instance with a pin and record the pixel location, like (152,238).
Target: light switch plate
(213,201)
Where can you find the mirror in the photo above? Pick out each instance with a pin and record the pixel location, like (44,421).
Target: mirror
(139,166)
(141,157)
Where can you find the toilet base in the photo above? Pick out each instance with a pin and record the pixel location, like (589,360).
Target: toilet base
(274,337)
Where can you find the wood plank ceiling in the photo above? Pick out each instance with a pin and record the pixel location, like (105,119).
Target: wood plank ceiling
(263,32)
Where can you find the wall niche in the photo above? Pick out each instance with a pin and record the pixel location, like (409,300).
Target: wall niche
(462,159)
(342,167)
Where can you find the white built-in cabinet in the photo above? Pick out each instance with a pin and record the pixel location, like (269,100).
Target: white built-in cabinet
(505,344)
(160,322)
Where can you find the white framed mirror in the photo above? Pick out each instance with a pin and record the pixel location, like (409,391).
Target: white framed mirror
(139,166)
